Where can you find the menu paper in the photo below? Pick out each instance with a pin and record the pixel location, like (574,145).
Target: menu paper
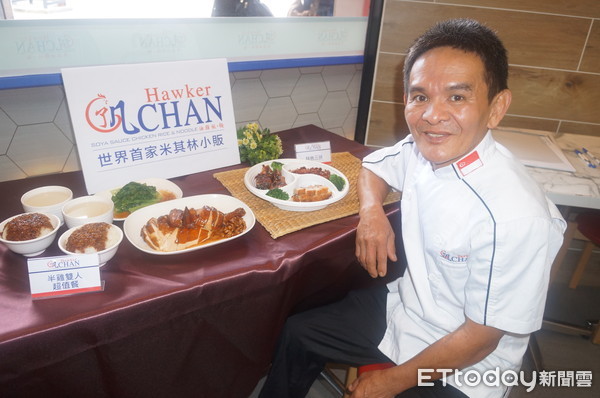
(64,275)
(315,151)
(533,148)
(154,120)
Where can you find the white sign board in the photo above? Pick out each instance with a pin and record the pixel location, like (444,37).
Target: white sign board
(62,276)
(316,151)
(163,120)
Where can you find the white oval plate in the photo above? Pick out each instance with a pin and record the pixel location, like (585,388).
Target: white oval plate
(160,183)
(224,203)
(297,180)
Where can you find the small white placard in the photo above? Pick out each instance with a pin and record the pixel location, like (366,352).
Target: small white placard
(315,151)
(64,275)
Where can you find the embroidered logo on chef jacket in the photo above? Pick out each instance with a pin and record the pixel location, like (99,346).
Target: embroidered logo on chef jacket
(469,163)
(454,258)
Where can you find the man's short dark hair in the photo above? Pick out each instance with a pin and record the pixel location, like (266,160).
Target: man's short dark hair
(472,37)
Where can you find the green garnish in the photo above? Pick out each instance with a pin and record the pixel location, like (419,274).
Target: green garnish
(277,166)
(278,193)
(338,181)
(134,196)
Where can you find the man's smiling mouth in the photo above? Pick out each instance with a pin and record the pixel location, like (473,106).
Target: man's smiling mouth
(435,135)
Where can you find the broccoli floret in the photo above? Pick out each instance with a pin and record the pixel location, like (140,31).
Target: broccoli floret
(277,166)
(278,193)
(134,196)
(338,181)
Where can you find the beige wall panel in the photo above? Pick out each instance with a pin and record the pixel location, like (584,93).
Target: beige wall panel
(388,78)
(529,123)
(386,124)
(555,94)
(551,91)
(591,56)
(581,8)
(580,128)
(532,39)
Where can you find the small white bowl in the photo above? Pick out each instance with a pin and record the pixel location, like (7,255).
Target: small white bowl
(49,199)
(31,247)
(103,255)
(86,209)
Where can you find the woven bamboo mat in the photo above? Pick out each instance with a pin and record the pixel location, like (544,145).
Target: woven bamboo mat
(281,222)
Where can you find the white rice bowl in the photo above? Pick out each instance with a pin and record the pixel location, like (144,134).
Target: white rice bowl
(31,247)
(113,239)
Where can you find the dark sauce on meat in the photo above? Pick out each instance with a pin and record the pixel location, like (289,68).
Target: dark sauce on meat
(26,226)
(269,178)
(312,170)
(89,235)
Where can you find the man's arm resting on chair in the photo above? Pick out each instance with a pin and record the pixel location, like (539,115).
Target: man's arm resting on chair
(467,345)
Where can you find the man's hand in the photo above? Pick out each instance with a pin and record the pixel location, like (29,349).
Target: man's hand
(374,384)
(374,235)
(375,241)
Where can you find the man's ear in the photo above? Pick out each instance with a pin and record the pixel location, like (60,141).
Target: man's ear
(500,105)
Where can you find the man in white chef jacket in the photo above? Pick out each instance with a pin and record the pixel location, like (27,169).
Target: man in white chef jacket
(479,238)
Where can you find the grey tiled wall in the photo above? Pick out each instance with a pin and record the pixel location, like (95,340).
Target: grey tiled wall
(36,136)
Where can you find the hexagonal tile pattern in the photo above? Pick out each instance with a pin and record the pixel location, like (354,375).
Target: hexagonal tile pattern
(337,77)
(308,118)
(36,134)
(251,74)
(279,114)
(7,131)
(353,89)
(334,110)
(279,82)
(309,93)
(249,99)
(31,105)
(9,170)
(72,163)
(39,149)
(63,121)
(311,69)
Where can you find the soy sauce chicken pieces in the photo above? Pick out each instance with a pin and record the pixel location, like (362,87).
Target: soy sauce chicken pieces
(181,229)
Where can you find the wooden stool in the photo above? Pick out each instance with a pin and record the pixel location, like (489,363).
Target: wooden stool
(588,224)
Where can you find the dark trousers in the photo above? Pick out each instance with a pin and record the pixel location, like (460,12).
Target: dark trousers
(346,332)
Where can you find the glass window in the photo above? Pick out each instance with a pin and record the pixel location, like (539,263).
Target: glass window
(81,9)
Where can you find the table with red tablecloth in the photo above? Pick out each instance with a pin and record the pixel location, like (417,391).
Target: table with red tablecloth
(198,324)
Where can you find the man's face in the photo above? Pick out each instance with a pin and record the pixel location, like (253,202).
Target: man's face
(447,107)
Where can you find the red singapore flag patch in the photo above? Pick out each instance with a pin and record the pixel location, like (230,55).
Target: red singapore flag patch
(469,163)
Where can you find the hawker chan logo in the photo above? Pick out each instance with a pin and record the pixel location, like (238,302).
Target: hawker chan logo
(63,263)
(160,109)
(97,115)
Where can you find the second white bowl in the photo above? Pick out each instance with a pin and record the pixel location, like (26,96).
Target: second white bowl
(115,236)
(87,209)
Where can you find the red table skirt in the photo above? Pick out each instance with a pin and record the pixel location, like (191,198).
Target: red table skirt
(201,324)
